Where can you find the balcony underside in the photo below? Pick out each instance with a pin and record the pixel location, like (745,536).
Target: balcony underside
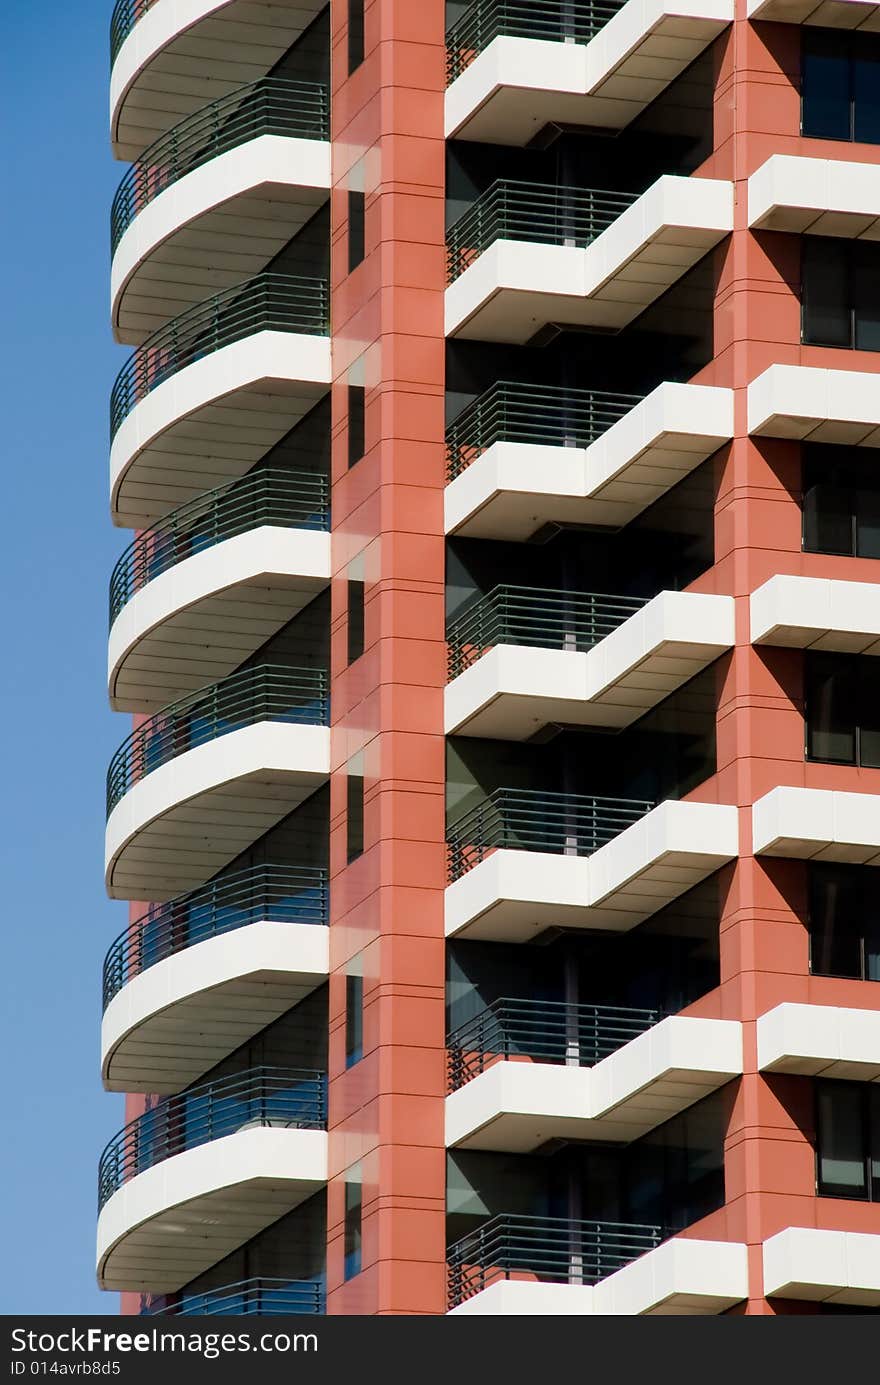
(171,1024)
(212,421)
(682,1277)
(820,1040)
(178,57)
(513,489)
(182,823)
(517,86)
(513,896)
(516,287)
(174,1221)
(213,229)
(511,692)
(817,825)
(817,613)
(516,1107)
(203,618)
(807,403)
(820,197)
(829,14)
(823,1266)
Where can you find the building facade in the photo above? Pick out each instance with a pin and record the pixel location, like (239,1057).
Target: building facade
(500,809)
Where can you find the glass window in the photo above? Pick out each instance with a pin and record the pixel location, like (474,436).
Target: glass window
(354,1020)
(355,34)
(846,1115)
(865,295)
(840,86)
(357,417)
(357,207)
(353,1229)
(838,896)
(832,710)
(355,620)
(841,501)
(866,91)
(355,816)
(827,313)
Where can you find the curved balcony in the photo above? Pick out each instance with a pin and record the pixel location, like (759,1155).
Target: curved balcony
(215,199)
(193,979)
(199,1174)
(524,860)
(522,456)
(208,395)
(196,784)
(516,66)
(521,658)
(167,58)
(244,558)
(514,1265)
(528,254)
(264,1298)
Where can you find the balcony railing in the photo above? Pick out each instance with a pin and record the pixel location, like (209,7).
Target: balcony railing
(270,106)
(544,213)
(537,820)
(557,21)
(539,617)
(288,499)
(280,894)
(540,415)
(264,1298)
(268,692)
(552,1250)
(547,1031)
(289,1098)
(126,14)
(267,303)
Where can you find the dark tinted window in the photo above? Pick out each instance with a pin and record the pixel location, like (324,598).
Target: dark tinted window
(840,286)
(355,620)
(356,228)
(355,816)
(355,34)
(357,420)
(353,1220)
(843,709)
(842,501)
(840,86)
(848,1139)
(354,1020)
(844,921)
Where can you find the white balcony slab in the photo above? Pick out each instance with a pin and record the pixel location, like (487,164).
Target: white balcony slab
(200,620)
(829,14)
(513,489)
(516,287)
(817,825)
(818,613)
(516,1107)
(181,54)
(516,86)
(808,403)
(682,1277)
(213,229)
(173,1022)
(177,1219)
(823,1266)
(212,421)
(512,896)
(820,1040)
(819,197)
(511,691)
(184,821)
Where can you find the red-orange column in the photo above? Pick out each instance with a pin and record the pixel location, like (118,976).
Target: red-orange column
(386,1111)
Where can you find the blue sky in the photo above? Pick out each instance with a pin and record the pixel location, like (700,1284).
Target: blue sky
(58,546)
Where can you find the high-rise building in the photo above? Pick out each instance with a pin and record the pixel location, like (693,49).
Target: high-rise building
(501,811)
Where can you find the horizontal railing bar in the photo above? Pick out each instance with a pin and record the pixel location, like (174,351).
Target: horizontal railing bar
(265,692)
(272,893)
(261,1296)
(553,20)
(290,499)
(290,1097)
(267,302)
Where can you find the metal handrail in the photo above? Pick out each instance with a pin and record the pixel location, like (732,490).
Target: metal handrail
(292,1098)
(538,820)
(540,415)
(264,893)
(289,499)
(264,1297)
(550,214)
(268,302)
(269,106)
(547,1031)
(555,21)
(540,617)
(126,14)
(267,692)
(553,1250)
